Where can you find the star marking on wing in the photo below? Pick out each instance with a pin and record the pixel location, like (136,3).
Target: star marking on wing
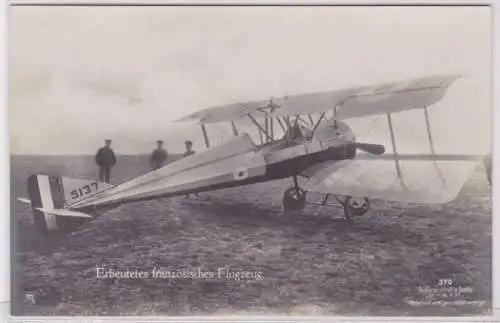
(270,108)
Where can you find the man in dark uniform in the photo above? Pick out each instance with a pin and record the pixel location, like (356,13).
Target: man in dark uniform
(158,157)
(189,148)
(105,159)
(488,165)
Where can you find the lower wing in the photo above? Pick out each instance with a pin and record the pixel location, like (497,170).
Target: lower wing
(426,179)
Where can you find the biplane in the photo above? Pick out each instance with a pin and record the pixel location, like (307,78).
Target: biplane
(304,136)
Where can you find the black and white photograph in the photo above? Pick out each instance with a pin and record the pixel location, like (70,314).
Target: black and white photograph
(176,160)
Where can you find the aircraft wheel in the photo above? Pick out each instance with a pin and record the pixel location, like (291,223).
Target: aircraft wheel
(355,207)
(294,199)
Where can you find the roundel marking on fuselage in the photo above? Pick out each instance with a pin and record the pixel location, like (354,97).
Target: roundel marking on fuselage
(240,173)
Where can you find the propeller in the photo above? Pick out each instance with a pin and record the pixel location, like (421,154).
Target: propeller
(370,148)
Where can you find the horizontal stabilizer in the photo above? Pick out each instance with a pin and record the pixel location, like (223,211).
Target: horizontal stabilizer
(51,198)
(65,212)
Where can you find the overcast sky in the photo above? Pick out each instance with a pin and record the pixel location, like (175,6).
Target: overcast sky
(79,75)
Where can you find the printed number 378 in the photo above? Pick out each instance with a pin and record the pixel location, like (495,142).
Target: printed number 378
(445,282)
(84,190)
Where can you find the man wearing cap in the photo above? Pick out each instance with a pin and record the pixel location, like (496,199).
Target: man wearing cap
(158,157)
(105,159)
(189,148)
(488,165)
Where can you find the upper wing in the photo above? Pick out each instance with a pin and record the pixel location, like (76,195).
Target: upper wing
(354,102)
(226,113)
(370,100)
(425,180)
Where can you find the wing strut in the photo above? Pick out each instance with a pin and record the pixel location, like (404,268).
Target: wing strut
(235,131)
(311,119)
(317,123)
(287,121)
(271,124)
(431,143)
(281,124)
(261,130)
(266,128)
(207,143)
(394,149)
(334,115)
(429,134)
(341,103)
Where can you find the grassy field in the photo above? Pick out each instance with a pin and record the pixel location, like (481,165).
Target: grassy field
(312,262)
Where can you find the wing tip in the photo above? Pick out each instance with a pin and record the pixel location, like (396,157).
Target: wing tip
(184,119)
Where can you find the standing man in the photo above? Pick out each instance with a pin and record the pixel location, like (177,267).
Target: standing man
(158,157)
(488,165)
(189,148)
(105,159)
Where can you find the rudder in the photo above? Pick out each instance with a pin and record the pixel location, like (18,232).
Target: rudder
(43,221)
(48,193)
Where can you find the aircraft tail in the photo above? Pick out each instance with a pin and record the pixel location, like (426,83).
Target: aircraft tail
(51,198)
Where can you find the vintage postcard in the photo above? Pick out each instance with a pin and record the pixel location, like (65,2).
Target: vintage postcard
(250,160)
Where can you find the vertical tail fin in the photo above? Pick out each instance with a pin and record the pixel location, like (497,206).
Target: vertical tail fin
(49,195)
(39,190)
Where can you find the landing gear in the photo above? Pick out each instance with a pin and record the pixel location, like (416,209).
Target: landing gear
(294,198)
(355,207)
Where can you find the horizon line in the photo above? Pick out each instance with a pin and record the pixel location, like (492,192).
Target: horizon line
(89,154)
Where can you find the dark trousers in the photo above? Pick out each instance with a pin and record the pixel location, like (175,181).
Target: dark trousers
(488,174)
(488,165)
(104,173)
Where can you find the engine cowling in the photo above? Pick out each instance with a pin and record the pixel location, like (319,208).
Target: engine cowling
(331,131)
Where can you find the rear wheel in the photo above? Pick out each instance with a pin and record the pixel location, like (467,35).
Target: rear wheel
(355,207)
(294,199)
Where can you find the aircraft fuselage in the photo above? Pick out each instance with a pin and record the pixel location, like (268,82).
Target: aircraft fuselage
(237,162)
